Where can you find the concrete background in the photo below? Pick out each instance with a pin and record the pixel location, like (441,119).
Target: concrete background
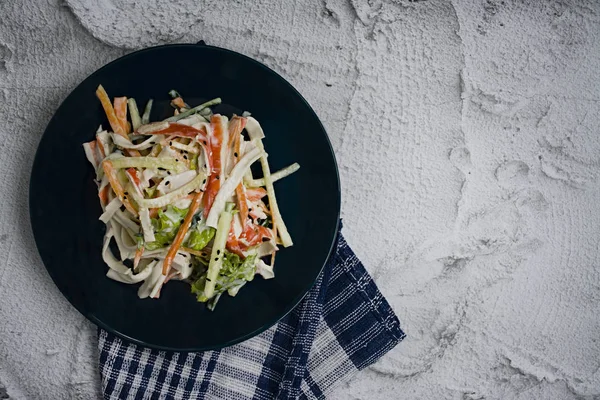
(467,138)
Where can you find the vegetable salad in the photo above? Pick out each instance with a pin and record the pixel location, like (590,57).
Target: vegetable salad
(179,199)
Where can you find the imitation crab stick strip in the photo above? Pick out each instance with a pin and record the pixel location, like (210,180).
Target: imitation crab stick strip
(235,128)
(181,233)
(120,107)
(111,174)
(214,183)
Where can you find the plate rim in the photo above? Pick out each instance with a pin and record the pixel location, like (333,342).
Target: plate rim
(91,317)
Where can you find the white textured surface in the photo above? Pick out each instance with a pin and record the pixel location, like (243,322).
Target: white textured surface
(467,138)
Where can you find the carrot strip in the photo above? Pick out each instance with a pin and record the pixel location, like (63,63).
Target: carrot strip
(111,174)
(114,122)
(181,233)
(120,107)
(138,256)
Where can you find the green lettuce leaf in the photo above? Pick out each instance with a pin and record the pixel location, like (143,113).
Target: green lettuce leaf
(234,273)
(199,239)
(166,225)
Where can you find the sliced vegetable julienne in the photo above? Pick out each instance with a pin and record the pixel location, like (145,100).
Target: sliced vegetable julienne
(126,144)
(226,190)
(197,121)
(138,257)
(103,140)
(254,129)
(111,172)
(120,106)
(182,232)
(278,223)
(193,252)
(91,154)
(134,180)
(194,110)
(147,228)
(147,110)
(175,195)
(236,126)
(113,120)
(218,249)
(189,148)
(110,210)
(134,113)
(148,162)
(215,147)
(222,122)
(282,173)
(174,182)
(148,129)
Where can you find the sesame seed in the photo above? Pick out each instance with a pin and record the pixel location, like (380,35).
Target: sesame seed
(217,177)
(265,239)
(208,279)
(185,157)
(216,258)
(218,252)
(235,154)
(168,172)
(177,159)
(170,143)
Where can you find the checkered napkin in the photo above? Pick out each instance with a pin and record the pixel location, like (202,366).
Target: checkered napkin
(342,326)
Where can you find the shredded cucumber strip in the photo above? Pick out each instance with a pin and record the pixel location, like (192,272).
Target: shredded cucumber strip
(275,176)
(146,116)
(194,110)
(218,250)
(169,163)
(136,120)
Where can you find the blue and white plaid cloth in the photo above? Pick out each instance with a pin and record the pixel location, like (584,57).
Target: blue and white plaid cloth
(342,326)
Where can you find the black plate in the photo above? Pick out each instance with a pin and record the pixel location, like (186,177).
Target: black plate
(64,204)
